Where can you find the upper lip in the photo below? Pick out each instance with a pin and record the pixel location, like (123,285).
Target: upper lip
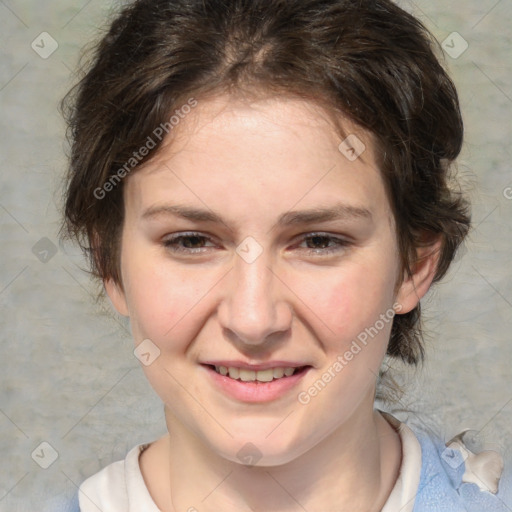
(256,367)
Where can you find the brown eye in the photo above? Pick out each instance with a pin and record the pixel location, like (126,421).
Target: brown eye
(319,242)
(187,243)
(323,244)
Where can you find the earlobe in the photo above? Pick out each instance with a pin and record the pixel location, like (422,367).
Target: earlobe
(415,286)
(116,295)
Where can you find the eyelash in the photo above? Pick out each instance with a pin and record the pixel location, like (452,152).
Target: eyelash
(172,243)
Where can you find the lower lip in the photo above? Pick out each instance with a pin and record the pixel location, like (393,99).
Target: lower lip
(256,391)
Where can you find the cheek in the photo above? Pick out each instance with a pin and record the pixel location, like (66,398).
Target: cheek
(348,312)
(167,306)
(161,299)
(348,300)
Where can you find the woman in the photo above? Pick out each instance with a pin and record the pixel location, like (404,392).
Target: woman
(262,188)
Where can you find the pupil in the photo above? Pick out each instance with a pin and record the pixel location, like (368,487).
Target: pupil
(319,240)
(195,241)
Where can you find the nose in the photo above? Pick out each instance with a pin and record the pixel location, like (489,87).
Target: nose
(254,307)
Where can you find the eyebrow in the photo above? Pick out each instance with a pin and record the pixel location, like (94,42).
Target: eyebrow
(339,211)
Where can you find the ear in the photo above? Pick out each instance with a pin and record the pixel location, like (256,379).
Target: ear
(415,286)
(117,296)
(114,290)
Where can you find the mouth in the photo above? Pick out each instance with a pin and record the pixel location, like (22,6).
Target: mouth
(251,386)
(267,375)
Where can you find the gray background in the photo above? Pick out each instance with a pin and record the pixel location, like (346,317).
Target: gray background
(69,377)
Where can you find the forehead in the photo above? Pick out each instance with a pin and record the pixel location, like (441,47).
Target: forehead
(276,120)
(273,153)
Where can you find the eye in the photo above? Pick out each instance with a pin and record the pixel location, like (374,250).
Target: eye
(189,243)
(320,244)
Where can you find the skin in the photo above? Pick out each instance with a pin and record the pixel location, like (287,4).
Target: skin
(251,162)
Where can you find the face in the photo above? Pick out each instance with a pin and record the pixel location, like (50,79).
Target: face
(253,240)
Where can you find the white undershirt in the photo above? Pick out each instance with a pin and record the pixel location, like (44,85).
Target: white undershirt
(121,487)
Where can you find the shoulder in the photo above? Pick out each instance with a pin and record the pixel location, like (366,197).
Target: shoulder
(107,487)
(455,479)
(118,486)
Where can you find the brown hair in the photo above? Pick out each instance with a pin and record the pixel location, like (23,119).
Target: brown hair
(367,60)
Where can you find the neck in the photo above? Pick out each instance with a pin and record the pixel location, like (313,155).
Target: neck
(353,469)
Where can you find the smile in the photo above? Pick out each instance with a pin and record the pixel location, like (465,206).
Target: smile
(256,386)
(261,375)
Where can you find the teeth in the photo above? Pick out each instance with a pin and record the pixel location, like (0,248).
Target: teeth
(265,375)
(278,373)
(245,375)
(234,373)
(251,375)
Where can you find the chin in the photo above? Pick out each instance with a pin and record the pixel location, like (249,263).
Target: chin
(260,451)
